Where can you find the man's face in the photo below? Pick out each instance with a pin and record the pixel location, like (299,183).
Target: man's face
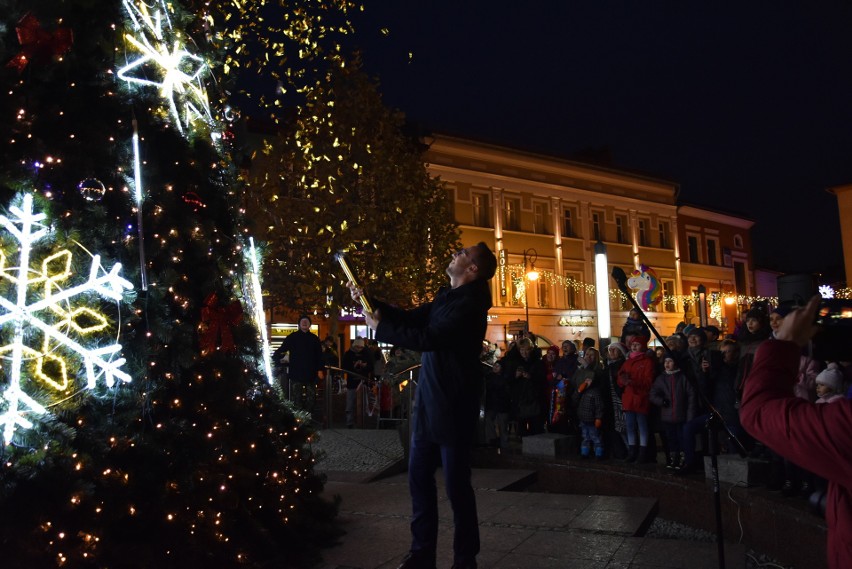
(568,348)
(669,364)
(304,325)
(460,262)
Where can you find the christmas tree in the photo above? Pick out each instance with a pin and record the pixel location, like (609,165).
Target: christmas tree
(139,424)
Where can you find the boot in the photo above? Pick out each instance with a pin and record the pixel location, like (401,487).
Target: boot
(631,453)
(599,453)
(674,461)
(642,457)
(585,451)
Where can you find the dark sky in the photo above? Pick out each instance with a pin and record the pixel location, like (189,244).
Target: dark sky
(747,105)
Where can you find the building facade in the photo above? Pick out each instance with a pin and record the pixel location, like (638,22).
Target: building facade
(543,215)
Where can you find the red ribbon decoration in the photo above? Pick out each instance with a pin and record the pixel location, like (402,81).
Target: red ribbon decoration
(37,44)
(214,331)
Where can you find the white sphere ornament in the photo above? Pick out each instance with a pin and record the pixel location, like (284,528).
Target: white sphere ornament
(92,189)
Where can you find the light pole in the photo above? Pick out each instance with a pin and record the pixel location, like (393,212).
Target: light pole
(602,294)
(531,275)
(702,305)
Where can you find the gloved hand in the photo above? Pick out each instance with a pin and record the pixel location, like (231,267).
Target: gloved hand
(598,423)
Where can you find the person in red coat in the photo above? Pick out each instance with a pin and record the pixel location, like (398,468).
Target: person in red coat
(819,436)
(636,377)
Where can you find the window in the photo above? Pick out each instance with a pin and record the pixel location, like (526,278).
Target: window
(619,303)
(511,214)
(643,233)
(669,303)
(712,251)
(664,234)
(692,244)
(543,293)
(567,223)
(540,218)
(596,227)
(481,210)
(620,235)
(573,292)
(738,241)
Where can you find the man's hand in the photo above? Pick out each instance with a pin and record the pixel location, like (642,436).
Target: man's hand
(798,326)
(371,318)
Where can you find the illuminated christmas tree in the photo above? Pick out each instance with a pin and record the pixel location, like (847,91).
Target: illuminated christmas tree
(139,427)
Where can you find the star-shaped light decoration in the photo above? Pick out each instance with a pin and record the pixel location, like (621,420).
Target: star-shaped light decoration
(826,291)
(163,54)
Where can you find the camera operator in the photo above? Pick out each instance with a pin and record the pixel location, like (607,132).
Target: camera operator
(819,436)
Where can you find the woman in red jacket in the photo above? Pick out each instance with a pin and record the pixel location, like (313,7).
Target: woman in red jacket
(818,436)
(636,377)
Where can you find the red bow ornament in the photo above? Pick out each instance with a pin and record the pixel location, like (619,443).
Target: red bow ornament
(215,329)
(37,44)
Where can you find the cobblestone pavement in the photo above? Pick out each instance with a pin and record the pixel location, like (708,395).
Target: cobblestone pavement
(358,450)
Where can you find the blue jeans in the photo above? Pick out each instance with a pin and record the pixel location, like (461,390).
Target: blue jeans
(632,418)
(591,438)
(424,459)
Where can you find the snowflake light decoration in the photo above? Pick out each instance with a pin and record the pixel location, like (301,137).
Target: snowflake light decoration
(163,54)
(826,291)
(40,329)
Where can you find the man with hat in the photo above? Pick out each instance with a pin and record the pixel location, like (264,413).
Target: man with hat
(304,363)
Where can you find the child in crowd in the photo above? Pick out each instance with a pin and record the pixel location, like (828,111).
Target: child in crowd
(588,401)
(829,384)
(674,394)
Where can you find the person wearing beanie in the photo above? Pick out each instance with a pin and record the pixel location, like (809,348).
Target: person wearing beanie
(588,401)
(634,326)
(635,378)
(302,350)
(674,394)
(358,361)
(830,384)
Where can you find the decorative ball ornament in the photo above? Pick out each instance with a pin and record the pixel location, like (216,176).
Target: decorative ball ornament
(92,189)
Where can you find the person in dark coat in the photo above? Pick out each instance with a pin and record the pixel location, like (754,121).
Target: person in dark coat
(448,332)
(305,363)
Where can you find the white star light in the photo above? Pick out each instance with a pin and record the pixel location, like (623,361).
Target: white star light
(181,72)
(50,318)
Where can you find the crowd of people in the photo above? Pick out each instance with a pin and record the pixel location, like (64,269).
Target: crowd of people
(624,401)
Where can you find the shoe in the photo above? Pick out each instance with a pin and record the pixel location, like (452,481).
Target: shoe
(787,489)
(806,490)
(414,561)
(464,565)
(632,451)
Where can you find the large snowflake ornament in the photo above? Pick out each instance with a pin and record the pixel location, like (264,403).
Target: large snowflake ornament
(43,327)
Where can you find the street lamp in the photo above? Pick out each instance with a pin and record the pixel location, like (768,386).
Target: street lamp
(531,276)
(602,294)
(702,305)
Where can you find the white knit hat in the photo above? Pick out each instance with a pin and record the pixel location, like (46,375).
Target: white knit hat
(831,377)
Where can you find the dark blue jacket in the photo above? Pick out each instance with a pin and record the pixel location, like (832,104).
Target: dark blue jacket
(305,356)
(448,332)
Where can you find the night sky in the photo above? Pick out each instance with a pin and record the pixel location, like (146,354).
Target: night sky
(747,105)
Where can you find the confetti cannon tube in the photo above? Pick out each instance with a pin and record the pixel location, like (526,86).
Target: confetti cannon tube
(351,276)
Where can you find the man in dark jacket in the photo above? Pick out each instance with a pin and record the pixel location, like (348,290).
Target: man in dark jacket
(449,333)
(305,363)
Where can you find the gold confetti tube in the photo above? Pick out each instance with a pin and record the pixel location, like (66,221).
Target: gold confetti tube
(349,275)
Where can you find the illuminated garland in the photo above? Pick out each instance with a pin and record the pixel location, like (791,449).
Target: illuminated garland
(51,317)
(715,301)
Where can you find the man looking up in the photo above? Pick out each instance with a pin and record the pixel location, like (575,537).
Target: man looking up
(448,332)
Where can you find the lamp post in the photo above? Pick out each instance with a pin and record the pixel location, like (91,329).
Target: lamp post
(702,305)
(531,275)
(602,294)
